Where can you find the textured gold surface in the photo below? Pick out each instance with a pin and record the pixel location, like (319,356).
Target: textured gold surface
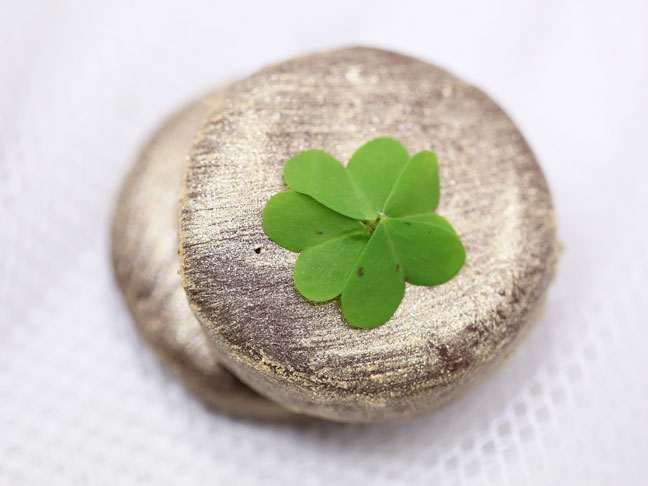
(441,339)
(146,264)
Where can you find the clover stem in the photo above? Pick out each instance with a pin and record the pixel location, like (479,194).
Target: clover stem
(371,224)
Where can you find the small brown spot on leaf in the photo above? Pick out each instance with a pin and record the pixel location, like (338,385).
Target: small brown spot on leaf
(319,232)
(397,267)
(408,223)
(360,272)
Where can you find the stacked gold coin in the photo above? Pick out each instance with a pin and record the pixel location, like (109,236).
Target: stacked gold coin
(235,329)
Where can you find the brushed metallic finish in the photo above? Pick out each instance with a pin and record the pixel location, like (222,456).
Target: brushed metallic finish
(146,265)
(441,339)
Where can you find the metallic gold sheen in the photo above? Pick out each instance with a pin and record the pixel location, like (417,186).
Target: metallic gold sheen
(441,339)
(146,264)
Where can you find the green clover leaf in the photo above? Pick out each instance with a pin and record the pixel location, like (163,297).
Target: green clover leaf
(363,230)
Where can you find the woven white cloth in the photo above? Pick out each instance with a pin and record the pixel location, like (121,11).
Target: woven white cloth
(82,399)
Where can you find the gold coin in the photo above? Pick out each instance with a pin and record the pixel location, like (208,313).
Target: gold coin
(442,339)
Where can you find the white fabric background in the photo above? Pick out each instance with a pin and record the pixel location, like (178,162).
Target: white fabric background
(84,402)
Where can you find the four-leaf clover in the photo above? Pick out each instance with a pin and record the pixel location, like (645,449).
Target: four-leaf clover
(362,231)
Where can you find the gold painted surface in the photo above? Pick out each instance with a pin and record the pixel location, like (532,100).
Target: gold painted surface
(441,339)
(146,265)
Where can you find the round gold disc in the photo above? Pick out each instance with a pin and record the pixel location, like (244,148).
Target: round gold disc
(441,339)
